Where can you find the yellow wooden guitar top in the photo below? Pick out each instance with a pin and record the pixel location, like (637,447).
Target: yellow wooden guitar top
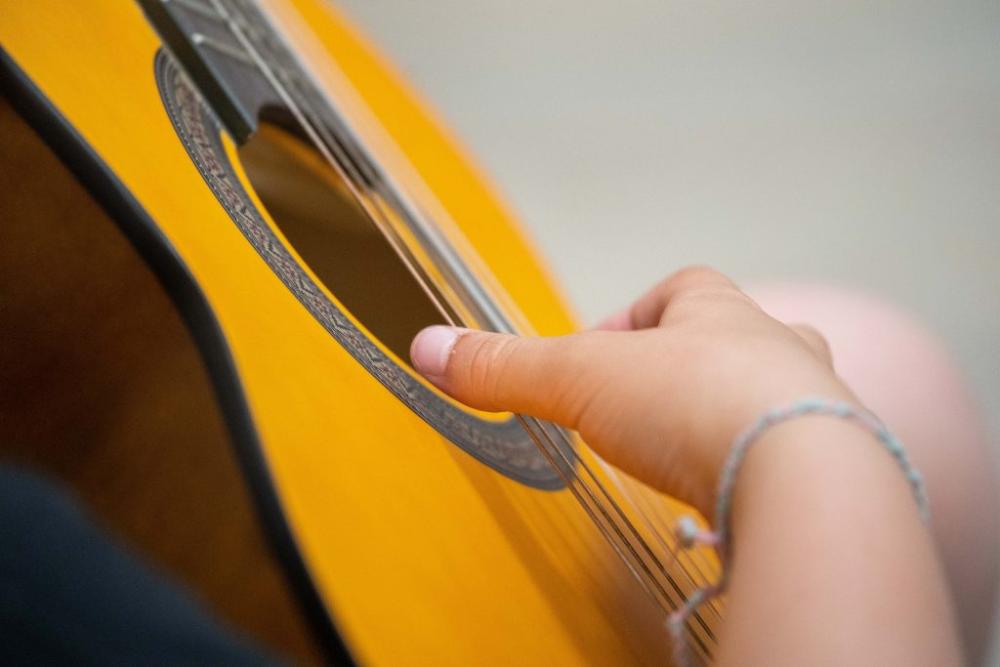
(406,544)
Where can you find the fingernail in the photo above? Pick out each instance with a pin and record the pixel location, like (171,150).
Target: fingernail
(431,349)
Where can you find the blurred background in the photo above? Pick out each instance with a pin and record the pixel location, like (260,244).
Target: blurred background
(853,143)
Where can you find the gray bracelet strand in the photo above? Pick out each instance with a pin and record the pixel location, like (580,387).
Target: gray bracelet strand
(690,535)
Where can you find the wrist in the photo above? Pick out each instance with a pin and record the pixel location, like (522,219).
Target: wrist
(714,457)
(807,456)
(814,467)
(821,513)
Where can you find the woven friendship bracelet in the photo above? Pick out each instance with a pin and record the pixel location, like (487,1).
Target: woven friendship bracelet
(689,534)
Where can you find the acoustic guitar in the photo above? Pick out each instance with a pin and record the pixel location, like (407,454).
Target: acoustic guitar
(222,223)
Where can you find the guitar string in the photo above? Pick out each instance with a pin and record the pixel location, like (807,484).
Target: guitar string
(434,296)
(540,434)
(636,493)
(544,440)
(450,315)
(541,437)
(554,454)
(676,552)
(431,293)
(706,628)
(319,126)
(439,304)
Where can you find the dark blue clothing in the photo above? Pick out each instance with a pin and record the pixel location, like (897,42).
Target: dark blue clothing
(69,595)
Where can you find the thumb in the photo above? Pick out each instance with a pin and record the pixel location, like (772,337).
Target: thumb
(543,377)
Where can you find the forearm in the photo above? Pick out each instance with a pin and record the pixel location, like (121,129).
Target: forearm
(832,564)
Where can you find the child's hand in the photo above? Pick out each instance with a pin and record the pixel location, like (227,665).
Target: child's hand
(659,391)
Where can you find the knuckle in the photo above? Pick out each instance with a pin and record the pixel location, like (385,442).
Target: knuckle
(699,279)
(696,275)
(586,410)
(815,339)
(706,300)
(487,367)
(569,386)
(591,369)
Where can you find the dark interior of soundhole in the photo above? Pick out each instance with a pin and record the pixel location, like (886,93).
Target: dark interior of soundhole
(311,205)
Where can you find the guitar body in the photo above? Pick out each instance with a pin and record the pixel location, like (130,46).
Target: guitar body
(227,388)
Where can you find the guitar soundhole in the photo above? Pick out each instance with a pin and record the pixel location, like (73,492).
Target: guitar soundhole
(313,212)
(311,205)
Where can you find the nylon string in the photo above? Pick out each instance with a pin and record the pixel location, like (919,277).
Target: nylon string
(597,503)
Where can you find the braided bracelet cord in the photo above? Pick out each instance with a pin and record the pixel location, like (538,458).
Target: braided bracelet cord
(689,534)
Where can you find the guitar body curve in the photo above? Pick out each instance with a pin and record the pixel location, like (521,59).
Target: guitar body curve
(400,541)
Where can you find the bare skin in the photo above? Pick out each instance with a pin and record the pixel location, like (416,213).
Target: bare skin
(906,375)
(831,562)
